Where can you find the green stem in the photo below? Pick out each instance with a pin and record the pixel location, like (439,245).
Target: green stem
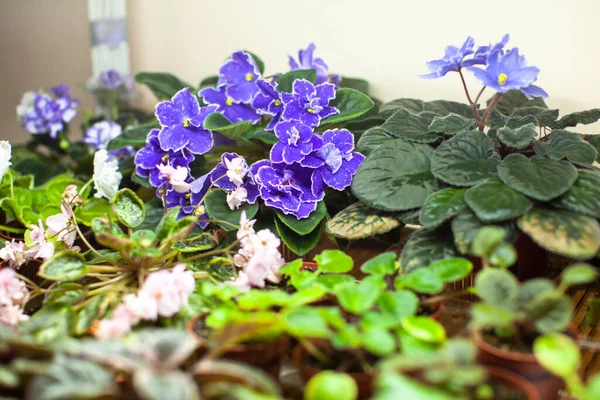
(12,190)
(25,279)
(84,240)
(442,297)
(12,229)
(113,287)
(108,282)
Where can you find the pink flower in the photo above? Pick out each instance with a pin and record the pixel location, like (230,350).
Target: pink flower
(11,315)
(12,289)
(111,329)
(70,198)
(242,282)
(13,253)
(170,290)
(42,248)
(136,308)
(61,225)
(176,177)
(264,266)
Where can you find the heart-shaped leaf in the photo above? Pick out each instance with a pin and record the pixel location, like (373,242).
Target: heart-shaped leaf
(286,81)
(466,159)
(395,177)
(64,266)
(351,103)
(493,201)
(135,137)
(299,244)
(372,139)
(584,196)
(306,225)
(564,144)
(557,353)
(496,286)
(162,84)
(406,125)
(424,248)
(541,179)
(452,124)
(563,232)
(446,107)
(128,208)
(334,261)
(514,99)
(442,206)
(466,226)
(216,122)
(390,108)
(543,116)
(359,221)
(518,138)
(424,328)
(218,209)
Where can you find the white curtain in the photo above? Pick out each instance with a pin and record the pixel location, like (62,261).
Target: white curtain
(109,36)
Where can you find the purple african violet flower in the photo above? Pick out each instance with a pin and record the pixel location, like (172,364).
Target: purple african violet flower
(233,172)
(508,72)
(122,154)
(239,75)
(99,134)
(112,79)
(182,122)
(287,187)
(308,103)
(452,60)
(482,53)
(307,61)
(191,203)
(232,110)
(296,140)
(148,157)
(335,163)
(268,102)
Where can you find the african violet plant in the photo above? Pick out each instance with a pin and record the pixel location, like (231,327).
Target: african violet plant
(454,168)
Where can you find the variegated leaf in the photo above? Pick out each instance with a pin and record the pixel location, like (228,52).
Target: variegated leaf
(359,221)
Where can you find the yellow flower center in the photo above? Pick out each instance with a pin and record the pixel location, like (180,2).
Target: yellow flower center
(187,196)
(237,171)
(310,110)
(502,79)
(249,77)
(165,157)
(229,101)
(277,103)
(186,122)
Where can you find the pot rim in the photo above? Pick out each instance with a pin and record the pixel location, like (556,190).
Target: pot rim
(515,380)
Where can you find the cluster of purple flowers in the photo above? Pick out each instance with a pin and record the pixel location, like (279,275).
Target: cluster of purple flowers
(99,134)
(111,79)
(502,70)
(41,113)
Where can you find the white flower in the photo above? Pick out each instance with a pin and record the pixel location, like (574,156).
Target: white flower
(176,177)
(42,249)
(59,225)
(26,105)
(242,282)
(13,253)
(106,175)
(11,315)
(5,155)
(245,226)
(141,306)
(236,170)
(237,198)
(12,289)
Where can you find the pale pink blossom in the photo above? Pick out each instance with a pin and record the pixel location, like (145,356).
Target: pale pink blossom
(61,225)
(11,315)
(70,198)
(237,169)
(111,329)
(136,308)
(176,177)
(236,198)
(12,289)
(41,248)
(170,290)
(264,266)
(242,282)
(246,227)
(13,253)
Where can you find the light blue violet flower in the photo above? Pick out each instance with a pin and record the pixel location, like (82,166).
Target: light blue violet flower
(452,60)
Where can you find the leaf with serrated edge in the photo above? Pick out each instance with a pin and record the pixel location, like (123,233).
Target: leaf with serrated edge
(584,196)
(517,138)
(406,125)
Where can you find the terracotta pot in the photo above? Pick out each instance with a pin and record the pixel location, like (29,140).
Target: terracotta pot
(363,380)
(523,364)
(516,381)
(266,356)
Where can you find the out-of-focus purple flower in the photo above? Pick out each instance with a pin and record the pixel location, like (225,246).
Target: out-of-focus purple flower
(112,79)
(268,102)
(296,140)
(232,110)
(308,103)
(482,53)
(306,60)
(182,122)
(335,163)
(287,187)
(452,60)
(122,154)
(99,134)
(147,159)
(232,173)
(508,72)
(239,75)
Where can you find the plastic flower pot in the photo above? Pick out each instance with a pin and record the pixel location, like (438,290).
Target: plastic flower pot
(511,379)
(523,364)
(264,355)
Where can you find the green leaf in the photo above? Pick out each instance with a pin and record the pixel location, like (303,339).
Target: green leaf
(543,116)
(167,223)
(216,122)
(424,328)
(592,391)
(357,298)
(128,208)
(594,140)
(441,206)
(580,117)
(334,261)
(445,107)
(541,179)
(372,139)
(409,217)
(66,293)
(259,63)
(160,385)
(496,286)
(466,159)
(306,225)
(399,303)
(465,228)
(485,315)
(162,84)
(91,209)
(299,244)
(396,177)
(379,341)
(218,209)
(532,288)
(306,322)
(56,187)
(584,196)
(135,137)
(579,274)
(263,300)
(412,127)
(355,83)
(421,280)
(64,266)
(564,144)
(486,240)
(204,241)
(331,385)
(452,269)
(452,124)
(514,99)
(517,138)
(92,312)
(390,108)
(209,81)
(264,136)
(493,201)
(424,248)
(551,312)
(383,264)
(563,232)
(351,103)
(358,221)
(558,354)
(286,81)
(389,385)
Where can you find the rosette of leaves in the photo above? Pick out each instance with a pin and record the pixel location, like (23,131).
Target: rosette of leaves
(521,168)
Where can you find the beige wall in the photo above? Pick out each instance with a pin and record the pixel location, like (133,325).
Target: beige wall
(42,43)
(384,41)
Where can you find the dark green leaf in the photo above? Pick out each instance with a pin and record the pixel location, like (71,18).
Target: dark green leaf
(351,103)
(354,83)
(532,288)
(396,176)
(564,144)
(306,225)
(452,124)
(166,223)
(442,206)
(204,241)
(424,248)
(264,136)
(551,312)
(91,313)
(259,63)
(209,81)
(594,140)
(372,139)
(66,293)
(91,209)
(492,201)
(359,221)
(584,196)
(135,137)
(218,209)
(218,123)
(413,105)
(128,208)
(406,125)
(496,286)
(64,266)
(445,107)
(298,244)
(543,116)
(286,81)
(160,385)
(517,138)
(580,117)
(514,99)
(162,84)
